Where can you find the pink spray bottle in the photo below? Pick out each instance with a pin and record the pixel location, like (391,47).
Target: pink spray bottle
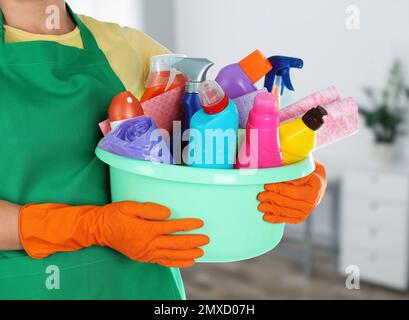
(261,148)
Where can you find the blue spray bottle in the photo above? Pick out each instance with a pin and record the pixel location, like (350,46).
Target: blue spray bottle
(195,69)
(279,77)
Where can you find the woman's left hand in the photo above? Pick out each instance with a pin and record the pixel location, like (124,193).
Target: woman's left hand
(293,201)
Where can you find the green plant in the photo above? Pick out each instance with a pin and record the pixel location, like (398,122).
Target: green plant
(389,107)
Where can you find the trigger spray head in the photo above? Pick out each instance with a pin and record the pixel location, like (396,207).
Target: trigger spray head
(195,69)
(281,67)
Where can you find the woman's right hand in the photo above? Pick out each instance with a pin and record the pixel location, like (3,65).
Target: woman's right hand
(141,231)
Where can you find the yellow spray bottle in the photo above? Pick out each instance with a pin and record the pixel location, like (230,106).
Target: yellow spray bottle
(298,136)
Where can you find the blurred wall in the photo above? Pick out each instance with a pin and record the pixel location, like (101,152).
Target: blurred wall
(125,12)
(160,21)
(315,30)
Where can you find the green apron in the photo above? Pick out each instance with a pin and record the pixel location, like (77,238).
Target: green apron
(51,99)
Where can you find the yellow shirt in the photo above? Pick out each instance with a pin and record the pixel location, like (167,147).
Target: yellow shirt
(127,50)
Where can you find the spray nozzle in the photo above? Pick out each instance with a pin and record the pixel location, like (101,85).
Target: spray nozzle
(195,69)
(281,67)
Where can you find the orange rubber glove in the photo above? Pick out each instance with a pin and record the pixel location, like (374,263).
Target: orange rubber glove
(293,201)
(140,231)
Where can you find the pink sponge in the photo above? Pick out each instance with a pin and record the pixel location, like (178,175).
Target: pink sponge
(165,108)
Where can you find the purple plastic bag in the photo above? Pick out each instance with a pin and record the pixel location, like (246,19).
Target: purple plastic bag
(137,138)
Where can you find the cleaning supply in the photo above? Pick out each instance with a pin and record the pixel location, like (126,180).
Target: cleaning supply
(245,104)
(238,79)
(124,106)
(341,122)
(298,136)
(166,108)
(293,201)
(261,148)
(299,108)
(279,77)
(162,77)
(49,228)
(214,130)
(137,138)
(195,69)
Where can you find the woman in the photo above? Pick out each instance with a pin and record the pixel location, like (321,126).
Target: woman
(60,238)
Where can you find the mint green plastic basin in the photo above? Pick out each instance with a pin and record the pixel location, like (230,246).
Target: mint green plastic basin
(226,200)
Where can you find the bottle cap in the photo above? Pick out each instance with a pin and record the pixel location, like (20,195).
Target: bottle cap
(265,103)
(255,66)
(124,106)
(212,97)
(264,114)
(314,118)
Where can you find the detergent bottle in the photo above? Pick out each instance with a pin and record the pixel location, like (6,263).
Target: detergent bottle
(162,77)
(195,69)
(214,129)
(239,79)
(298,136)
(261,148)
(124,106)
(279,77)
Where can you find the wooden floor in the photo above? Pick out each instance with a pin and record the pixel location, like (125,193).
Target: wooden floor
(276,277)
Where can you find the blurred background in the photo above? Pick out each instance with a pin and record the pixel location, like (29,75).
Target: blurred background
(362,48)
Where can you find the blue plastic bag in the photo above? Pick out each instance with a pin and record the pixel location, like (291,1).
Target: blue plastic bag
(137,138)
